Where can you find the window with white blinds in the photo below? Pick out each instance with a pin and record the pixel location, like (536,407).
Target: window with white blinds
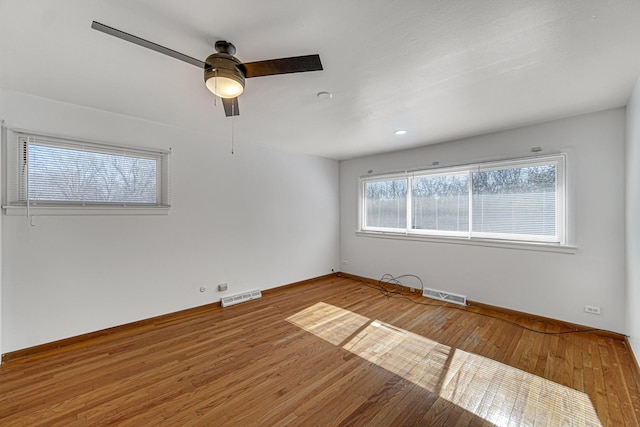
(517,200)
(54,173)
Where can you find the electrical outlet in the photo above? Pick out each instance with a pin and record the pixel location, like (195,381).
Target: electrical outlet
(223,287)
(203,289)
(592,309)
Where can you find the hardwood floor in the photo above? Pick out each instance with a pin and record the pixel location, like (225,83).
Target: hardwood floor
(333,352)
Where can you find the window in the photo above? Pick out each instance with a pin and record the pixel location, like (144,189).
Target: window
(54,173)
(521,200)
(386,203)
(517,202)
(441,203)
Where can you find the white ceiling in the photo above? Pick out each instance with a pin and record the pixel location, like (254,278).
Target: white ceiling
(441,69)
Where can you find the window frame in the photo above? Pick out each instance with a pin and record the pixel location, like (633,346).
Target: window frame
(471,236)
(560,220)
(389,177)
(17,202)
(434,173)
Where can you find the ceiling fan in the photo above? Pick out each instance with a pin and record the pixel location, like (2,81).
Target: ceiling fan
(224,74)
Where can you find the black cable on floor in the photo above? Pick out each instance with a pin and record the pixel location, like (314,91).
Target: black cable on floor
(398,288)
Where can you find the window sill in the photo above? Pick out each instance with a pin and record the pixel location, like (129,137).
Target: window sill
(527,246)
(86,210)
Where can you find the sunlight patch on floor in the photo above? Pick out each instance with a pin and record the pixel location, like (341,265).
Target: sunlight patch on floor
(496,392)
(411,356)
(328,322)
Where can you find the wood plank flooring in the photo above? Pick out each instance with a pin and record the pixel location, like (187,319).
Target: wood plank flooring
(332,352)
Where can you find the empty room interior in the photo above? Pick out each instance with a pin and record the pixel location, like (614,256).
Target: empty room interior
(320,213)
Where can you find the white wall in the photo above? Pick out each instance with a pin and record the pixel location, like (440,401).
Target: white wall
(2,138)
(633,215)
(258,219)
(549,284)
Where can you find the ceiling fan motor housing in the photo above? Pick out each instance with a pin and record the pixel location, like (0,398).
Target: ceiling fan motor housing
(223,65)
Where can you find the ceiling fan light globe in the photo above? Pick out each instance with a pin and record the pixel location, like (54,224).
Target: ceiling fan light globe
(224,87)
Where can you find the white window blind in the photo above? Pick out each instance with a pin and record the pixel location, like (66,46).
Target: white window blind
(517,200)
(386,203)
(441,203)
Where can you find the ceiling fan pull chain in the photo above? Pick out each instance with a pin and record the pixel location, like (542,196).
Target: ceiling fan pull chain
(233,105)
(215,82)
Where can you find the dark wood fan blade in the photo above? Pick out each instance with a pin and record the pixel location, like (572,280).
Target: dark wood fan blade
(230,107)
(295,64)
(145,43)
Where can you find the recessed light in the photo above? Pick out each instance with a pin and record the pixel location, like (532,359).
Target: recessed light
(324,95)
(400,132)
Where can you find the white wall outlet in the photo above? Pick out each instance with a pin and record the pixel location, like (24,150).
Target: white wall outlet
(223,287)
(203,289)
(592,309)
(345,262)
